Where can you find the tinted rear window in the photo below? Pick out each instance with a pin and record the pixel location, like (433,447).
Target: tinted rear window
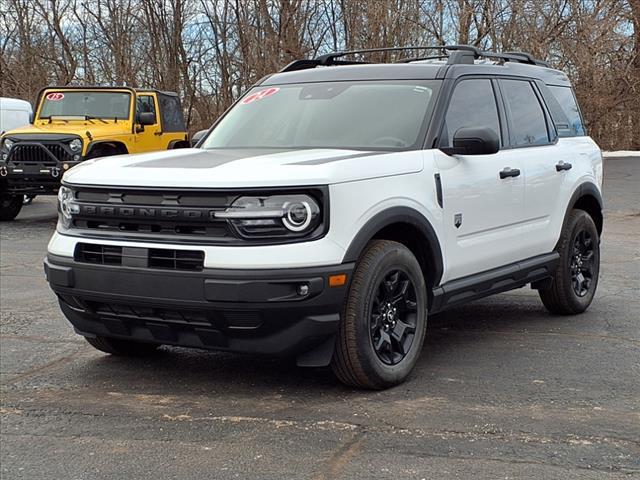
(528,126)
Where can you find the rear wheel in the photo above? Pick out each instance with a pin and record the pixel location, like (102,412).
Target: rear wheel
(10,206)
(123,348)
(576,277)
(384,318)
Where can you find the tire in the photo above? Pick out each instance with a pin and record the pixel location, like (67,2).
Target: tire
(369,312)
(122,348)
(576,277)
(10,206)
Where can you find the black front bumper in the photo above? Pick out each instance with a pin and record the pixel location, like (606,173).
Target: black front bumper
(35,179)
(253,311)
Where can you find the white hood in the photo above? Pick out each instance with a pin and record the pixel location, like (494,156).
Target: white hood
(199,168)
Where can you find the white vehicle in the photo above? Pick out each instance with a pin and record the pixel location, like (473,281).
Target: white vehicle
(14,113)
(332,209)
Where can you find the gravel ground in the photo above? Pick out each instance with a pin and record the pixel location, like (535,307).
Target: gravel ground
(502,389)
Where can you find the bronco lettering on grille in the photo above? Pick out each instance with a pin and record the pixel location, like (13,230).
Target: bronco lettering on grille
(145,212)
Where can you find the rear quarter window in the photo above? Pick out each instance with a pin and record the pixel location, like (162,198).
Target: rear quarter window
(569,106)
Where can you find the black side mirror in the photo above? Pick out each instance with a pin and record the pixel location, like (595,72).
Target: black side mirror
(147,118)
(199,135)
(31,118)
(474,141)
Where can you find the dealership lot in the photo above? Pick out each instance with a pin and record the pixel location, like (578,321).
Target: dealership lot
(502,390)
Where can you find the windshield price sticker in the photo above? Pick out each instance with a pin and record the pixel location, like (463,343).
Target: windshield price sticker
(260,95)
(55,96)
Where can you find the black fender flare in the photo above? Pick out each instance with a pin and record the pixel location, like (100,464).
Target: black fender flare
(97,143)
(583,190)
(400,214)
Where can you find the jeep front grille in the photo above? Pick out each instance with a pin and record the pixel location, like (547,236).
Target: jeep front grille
(47,154)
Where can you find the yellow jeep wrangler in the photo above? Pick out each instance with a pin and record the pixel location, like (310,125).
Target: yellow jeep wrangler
(73,124)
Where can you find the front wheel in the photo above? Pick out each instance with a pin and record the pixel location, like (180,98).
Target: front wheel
(576,277)
(10,206)
(384,318)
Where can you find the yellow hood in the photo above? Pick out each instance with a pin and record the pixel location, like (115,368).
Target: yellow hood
(96,128)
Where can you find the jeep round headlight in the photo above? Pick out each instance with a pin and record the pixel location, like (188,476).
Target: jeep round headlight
(75,145)
(8,143)
(66,205)
(273,216)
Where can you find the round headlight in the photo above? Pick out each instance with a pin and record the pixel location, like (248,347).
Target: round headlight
(8,143)
(285,215)
(75,145)
(297,216)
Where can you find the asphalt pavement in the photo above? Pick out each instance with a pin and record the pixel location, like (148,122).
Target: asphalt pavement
(503,389)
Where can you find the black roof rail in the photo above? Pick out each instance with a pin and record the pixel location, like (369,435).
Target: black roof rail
(531,58)
(456,55)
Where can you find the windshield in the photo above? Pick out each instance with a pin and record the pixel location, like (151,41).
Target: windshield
(373,115)
(86,104)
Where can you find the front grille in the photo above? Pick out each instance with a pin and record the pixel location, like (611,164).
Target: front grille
(59,152)
(46,154)
(160,258)
(176,259)
(99,254)
(151,214)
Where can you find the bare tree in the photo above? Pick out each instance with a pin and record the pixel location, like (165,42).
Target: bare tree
(211,51)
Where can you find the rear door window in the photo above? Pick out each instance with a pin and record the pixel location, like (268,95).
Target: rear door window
(472,104)
(567,101)
(527,123)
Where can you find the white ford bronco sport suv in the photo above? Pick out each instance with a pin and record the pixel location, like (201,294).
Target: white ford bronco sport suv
(333,208)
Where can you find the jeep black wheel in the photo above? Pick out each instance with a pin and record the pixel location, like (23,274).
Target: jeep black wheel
(10,206)
(384,318)
(123,348)
(576,277)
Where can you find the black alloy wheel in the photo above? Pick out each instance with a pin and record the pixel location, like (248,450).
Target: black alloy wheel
(393,317)
(582,266)
(575,279)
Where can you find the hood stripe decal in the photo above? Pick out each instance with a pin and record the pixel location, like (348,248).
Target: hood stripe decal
(321,161)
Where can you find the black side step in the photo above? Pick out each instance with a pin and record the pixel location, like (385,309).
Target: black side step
(501,279)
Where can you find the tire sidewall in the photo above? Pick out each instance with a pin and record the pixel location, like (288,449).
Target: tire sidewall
(394,258)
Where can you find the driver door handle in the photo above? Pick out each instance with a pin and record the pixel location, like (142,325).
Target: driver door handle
(509,172)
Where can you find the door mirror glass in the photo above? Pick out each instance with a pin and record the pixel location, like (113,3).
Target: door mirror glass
(147,118)
(474,141)
(199,135)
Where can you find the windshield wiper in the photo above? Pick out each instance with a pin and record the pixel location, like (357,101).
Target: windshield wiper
(91,117)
